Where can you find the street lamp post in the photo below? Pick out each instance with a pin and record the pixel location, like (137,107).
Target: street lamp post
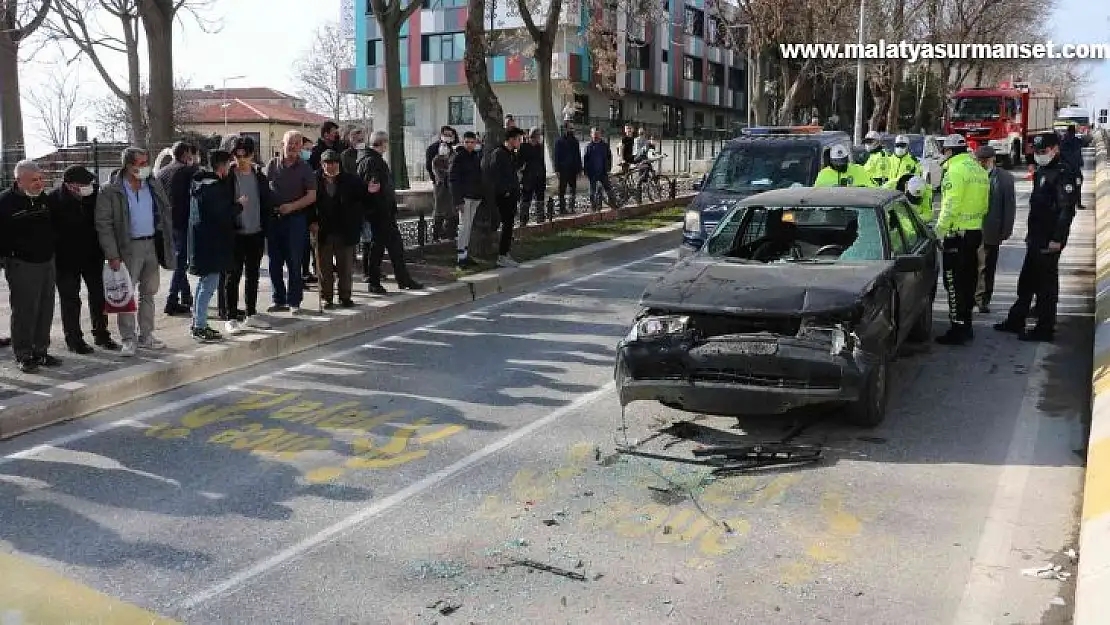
(226,105)
(858,133)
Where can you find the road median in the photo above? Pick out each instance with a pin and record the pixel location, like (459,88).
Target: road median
(77,399)
(1092,604)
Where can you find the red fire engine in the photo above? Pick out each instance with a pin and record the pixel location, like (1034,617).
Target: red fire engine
(1004,117)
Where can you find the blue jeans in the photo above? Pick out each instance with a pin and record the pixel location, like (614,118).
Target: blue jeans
(179,283)
(206,288)
(285,241)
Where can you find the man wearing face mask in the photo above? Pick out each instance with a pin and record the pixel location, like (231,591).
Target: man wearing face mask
(1052,207)
(965,199)
(918,194)
(133,213)
(533,177)
(901,162)
(998,225)
(336,218)
(329,140)
(78,258)
(348,159)
(27,244)
(841,172)
(876,164)
(435,164)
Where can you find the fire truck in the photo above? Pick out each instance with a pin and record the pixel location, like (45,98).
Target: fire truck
(1005,117)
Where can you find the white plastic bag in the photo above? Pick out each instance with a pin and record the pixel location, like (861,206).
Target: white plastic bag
(119,291)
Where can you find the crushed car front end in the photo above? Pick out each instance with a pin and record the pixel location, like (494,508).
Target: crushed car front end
(735,365)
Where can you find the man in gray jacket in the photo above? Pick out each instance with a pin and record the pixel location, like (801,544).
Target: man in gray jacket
(133,219)
(998,225)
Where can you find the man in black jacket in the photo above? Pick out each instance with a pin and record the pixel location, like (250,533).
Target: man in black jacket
(533,175)
(329,140)
(78,258)
(1071,152)
(212,236)
(568,164)
(250,239)
(336,220)
(382,215)
(177,180)
(464,175)
(504,185)
(27,243)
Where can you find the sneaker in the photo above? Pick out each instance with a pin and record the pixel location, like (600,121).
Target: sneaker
(233,327)
(151,342)
(82,348)
(205,335)
(46,360)
(506,261)
(107,344)
(258,323)
(174,310)
(128,350)
(376,289)
(278,308)
(346,303)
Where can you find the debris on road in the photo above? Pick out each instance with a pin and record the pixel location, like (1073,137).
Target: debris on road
(1047,571)
(446,608)
(550,522)
(540,566)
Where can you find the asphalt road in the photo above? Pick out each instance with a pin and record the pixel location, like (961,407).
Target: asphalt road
(408,472)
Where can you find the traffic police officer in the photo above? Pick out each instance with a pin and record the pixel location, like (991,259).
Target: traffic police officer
(919,194)
(965,198)
(876,163)
(1051,209)
(841,172)
(901,162)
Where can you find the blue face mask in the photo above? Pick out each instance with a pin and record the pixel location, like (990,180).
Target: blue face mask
(306,154)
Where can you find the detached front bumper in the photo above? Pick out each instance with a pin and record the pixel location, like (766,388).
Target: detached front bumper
(738,375)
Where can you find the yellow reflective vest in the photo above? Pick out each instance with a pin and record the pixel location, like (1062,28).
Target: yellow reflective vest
(964,196)
(854,176)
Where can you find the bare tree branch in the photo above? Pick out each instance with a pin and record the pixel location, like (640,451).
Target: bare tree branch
(318,70)
(56,103)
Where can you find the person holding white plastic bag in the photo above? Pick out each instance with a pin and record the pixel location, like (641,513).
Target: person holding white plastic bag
(135,227)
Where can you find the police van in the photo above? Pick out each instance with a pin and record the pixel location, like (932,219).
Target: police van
(760,159)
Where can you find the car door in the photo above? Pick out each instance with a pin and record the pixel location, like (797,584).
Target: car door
(904,283)
(914,289)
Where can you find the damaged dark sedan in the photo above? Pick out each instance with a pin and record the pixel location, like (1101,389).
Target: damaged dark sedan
(799,297)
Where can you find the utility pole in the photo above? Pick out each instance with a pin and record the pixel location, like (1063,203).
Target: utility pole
(858,134)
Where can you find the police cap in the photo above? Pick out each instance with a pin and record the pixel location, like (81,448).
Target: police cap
(1045,140)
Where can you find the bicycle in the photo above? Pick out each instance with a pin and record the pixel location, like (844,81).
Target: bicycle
(640,180)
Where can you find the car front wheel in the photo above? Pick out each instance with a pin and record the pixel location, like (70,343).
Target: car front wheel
(870,409)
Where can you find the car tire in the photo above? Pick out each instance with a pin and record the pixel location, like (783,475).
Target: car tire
(870,409)
(922,331)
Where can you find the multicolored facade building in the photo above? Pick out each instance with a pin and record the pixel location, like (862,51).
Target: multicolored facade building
(676,78)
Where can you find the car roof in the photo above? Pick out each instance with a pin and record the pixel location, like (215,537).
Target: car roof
(823,196)
(822,138)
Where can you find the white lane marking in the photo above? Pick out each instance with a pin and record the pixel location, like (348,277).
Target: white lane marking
(985,585)
(219,392)
(397,498)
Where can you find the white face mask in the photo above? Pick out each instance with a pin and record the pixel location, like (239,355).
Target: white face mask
(899,151)
(446,139)
(85,191)
(360,146)
(144,173)
(1043,159)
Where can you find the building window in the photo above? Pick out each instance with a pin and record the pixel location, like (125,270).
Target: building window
(715,31)
(638,56)
(442,47)
(735,79)
(716,74)
(375,52)
(664,56)
(692,69)
(694,22)
(409,107)
(436,5)
(699,120)
(460,110)
(719,122)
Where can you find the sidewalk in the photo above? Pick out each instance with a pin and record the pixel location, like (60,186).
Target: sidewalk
(86,384)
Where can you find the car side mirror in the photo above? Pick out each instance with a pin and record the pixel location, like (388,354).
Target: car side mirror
(909,263)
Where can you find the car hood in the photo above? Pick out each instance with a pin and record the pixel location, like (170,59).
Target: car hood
(702,284)
(717,203)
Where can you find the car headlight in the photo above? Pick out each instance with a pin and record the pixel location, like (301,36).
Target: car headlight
(654,327)
(692,223)
(839,337)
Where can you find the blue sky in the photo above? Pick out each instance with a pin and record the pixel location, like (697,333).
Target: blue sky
(1087,21)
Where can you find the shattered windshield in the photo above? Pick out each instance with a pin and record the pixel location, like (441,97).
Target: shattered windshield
(798,234)
(762,167)
(973,109)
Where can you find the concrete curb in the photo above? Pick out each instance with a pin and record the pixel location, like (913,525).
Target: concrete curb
(1092,596)
(141,380)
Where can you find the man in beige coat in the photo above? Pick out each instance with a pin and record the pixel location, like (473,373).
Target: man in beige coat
(134,222)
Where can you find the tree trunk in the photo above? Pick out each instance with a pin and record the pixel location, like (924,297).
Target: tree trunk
(881,102)
(790,91)
(547,97)
(758,97)
(489,107)
(919,111)
(395,120)
(12,148)
(157,19)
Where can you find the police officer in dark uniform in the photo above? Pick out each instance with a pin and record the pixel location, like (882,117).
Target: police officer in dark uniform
(1071,152)
(1051,210)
